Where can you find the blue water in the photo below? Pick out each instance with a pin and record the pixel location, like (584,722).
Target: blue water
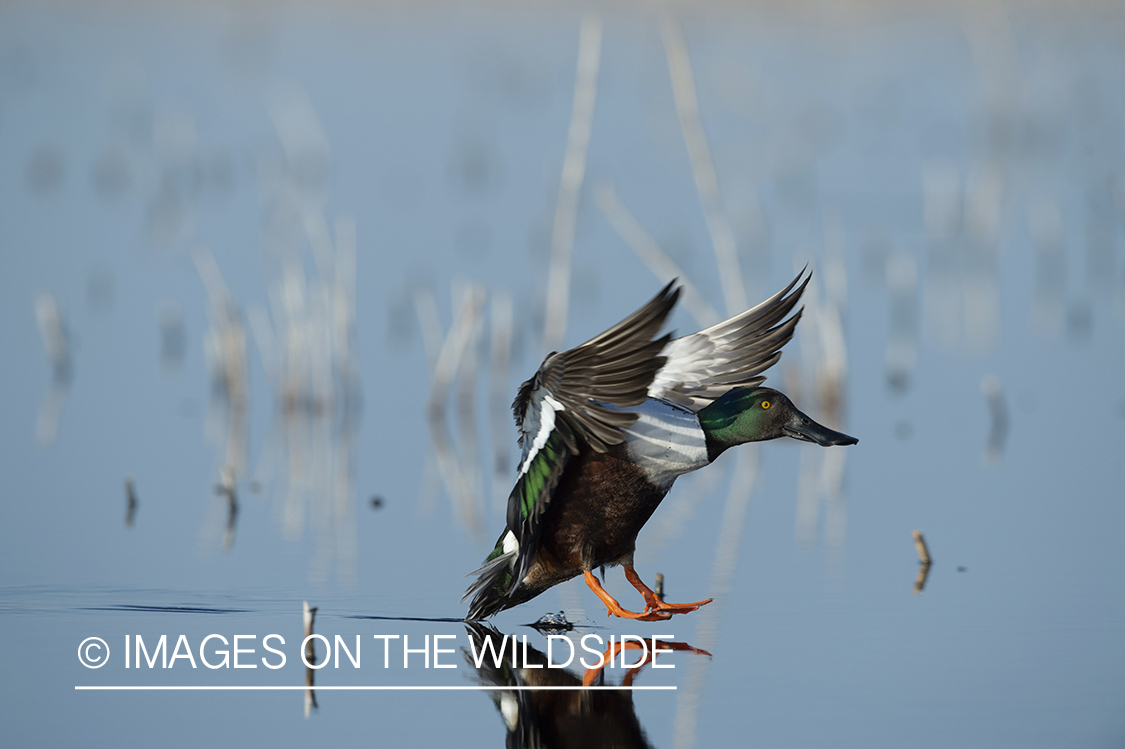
(955,181)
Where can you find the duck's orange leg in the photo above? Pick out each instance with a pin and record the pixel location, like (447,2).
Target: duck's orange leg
(615,608)
(654,604)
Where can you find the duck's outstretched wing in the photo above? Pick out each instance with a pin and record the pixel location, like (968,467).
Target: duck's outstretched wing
(564,406)
(702,366)
(616,368)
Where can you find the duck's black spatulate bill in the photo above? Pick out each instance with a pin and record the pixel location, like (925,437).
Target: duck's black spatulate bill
(801,427)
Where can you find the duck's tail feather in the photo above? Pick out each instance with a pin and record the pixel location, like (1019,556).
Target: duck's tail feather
(494,581)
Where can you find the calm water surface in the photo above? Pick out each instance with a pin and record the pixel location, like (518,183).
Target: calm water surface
(269,282)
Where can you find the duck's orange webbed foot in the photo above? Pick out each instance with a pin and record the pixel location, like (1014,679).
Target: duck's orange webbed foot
(616,609)
(653,602)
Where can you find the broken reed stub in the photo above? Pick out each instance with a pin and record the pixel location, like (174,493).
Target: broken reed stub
(920,545)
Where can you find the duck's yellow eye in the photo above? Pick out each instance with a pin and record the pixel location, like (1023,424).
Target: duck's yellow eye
(765,404)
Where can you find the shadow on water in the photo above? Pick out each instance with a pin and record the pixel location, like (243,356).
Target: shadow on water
(405,618)
(548,624)
(165,609)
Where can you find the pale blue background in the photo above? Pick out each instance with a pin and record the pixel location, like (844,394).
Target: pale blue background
(446,129)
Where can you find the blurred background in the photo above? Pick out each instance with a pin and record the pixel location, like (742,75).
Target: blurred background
(270,274)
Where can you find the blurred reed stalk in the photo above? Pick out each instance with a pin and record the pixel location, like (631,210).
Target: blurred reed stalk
(570,183)
(663,267)
(500,363)
(734,293)
(702,167)
(456,357)
(823,346)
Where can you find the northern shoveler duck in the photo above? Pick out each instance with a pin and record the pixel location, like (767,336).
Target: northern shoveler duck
(606,428)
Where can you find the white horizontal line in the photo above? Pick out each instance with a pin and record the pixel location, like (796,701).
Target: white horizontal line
(480,688)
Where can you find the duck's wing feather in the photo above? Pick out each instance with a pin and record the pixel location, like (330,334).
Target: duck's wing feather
(702,366)
(616,368)
(563,407)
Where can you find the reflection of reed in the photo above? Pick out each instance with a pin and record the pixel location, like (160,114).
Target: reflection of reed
(226,489)
(708,619)
(921,578)
(307,343)
(56,344)
(225,349)
(998,409)
(173,339)
(130,502)
(902,340)
(457,357)
(1048,241)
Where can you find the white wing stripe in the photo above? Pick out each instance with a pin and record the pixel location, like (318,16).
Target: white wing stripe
(543,406)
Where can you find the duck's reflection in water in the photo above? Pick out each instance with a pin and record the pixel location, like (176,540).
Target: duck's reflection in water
(554,717)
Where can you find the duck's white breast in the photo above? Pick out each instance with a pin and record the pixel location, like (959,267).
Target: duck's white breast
(666,441)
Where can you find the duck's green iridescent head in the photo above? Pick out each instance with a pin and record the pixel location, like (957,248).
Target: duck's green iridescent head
(745,414)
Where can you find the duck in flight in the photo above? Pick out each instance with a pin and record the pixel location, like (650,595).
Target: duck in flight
(608,426)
